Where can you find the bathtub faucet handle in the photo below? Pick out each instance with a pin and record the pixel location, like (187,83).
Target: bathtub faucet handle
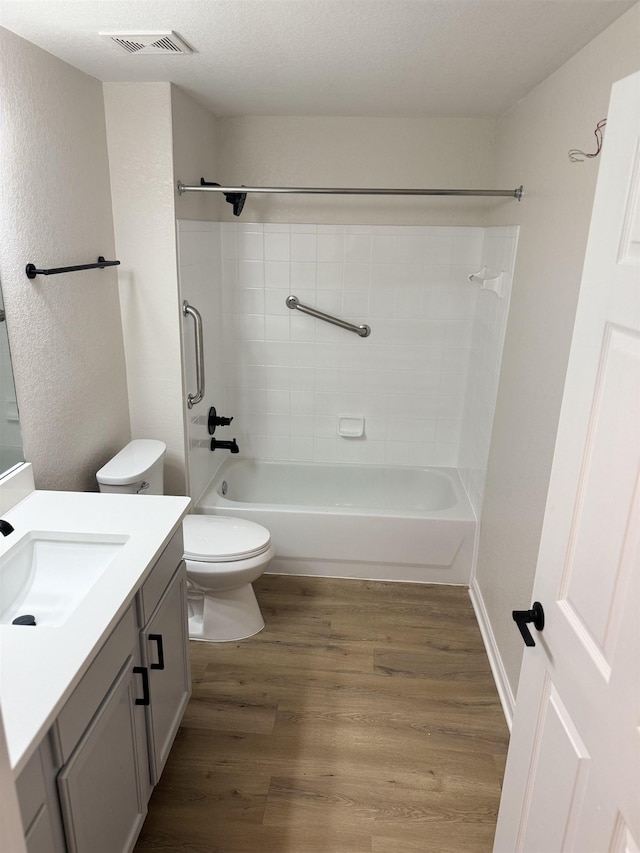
(225,445)
(214,420)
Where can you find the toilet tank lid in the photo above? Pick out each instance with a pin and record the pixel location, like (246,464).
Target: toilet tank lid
(132,462)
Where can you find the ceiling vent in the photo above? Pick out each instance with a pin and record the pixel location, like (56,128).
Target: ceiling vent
(146,43)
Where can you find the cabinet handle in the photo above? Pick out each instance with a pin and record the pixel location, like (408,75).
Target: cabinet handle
(158,640)
(142,670)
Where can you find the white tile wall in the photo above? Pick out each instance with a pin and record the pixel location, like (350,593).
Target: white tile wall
(425,380)
(200,276)
(489,326)
(287,376)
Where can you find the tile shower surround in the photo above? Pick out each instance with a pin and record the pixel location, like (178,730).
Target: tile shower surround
(287,376)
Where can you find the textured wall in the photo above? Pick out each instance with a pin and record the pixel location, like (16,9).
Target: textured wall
(532,144)
(65,331)
(352,152)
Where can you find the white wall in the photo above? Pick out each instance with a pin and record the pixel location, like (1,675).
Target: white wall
(288,377)
(146,204)
(144,220)
(199,272)
(365,152)
(194,155)
(532,143)
(55,210)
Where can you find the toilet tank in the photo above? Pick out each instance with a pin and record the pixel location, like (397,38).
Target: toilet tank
(137,469)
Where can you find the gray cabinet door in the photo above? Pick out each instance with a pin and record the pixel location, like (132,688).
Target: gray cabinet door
(166,653)
(102,786)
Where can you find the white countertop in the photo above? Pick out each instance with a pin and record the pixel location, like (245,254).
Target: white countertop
(40,667)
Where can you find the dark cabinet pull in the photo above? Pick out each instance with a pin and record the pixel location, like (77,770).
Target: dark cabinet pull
(142,670)
(158,639)
(523,617)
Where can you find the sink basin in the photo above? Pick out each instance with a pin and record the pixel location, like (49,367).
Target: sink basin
(47,575)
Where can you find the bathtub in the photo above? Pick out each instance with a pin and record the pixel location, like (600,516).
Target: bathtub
(338,520)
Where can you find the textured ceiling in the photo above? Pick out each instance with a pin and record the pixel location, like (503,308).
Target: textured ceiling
(327,57)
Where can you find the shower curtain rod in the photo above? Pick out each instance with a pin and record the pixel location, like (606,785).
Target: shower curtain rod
(237,195)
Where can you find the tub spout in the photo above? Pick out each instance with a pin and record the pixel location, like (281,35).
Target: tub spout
(225,445)
(6,528)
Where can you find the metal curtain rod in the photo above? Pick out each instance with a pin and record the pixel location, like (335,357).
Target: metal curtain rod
(210,187)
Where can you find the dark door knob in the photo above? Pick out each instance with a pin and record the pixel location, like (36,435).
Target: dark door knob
(522,618)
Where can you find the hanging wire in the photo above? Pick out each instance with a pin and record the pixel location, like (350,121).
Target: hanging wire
(578,156)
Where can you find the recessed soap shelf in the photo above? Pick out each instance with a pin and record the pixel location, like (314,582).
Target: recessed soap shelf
(351,426)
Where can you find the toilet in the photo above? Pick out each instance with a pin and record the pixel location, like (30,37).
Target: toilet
(223,555)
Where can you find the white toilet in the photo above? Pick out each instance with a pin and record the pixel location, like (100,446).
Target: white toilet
(223,555)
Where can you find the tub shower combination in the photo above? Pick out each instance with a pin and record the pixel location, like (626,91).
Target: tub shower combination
(342,520)
(345,520)
(354,521)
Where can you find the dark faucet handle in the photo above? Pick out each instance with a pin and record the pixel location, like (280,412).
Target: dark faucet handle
(214,420)
(5,527)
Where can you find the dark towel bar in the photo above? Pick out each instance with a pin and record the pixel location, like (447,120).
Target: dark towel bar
(32,272)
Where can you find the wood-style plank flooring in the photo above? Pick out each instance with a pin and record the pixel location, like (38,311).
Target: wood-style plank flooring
(363,719)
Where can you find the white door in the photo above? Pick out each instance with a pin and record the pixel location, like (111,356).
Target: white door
(573,773)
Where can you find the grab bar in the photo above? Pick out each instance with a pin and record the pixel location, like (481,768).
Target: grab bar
(293,302)
(189,310)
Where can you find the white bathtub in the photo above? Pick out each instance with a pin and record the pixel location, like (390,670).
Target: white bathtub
(377,522)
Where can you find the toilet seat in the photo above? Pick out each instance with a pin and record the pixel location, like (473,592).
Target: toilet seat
(220,539)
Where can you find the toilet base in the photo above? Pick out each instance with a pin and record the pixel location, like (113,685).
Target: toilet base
(223,617)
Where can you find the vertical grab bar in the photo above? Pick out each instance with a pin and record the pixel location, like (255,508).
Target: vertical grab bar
(189,310)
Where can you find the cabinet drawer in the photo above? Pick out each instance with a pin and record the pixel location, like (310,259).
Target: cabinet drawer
(153,588)
(31,788)
(77,713)
(38,798)
(43,835)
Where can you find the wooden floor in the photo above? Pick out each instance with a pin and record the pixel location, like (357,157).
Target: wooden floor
(363,718)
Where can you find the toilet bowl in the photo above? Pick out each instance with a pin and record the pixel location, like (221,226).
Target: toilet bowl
(223,555)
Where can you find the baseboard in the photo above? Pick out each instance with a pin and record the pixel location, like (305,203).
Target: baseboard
(503,687)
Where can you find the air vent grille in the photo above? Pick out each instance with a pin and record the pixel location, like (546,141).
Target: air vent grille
(147,43)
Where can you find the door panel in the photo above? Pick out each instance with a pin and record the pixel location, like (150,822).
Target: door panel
(572,780)
(561,755)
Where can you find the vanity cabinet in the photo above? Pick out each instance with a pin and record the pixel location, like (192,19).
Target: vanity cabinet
(102,785)
(38,799)
(87,788)
(166,655)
